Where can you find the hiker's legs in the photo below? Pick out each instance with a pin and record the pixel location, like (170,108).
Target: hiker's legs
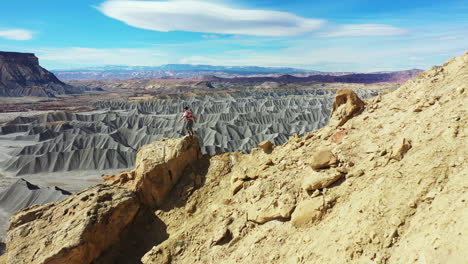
(190,127)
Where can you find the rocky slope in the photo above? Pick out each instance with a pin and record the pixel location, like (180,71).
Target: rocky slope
(21,75)
(384,182)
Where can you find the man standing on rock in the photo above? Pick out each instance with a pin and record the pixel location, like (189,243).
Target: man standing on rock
(189,117)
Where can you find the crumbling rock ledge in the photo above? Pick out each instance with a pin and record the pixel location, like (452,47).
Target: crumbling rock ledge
(158,168)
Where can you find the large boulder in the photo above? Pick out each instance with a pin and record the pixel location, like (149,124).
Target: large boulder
(76,230)
(345,106)
(159,166)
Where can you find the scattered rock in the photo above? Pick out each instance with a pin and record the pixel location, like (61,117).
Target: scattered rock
(339,136)
(267,146)
(269,208)
(308,212)
(400,148)
(221,237)
(323,159)
(320,180)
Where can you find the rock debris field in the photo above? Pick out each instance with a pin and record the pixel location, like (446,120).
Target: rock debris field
(108,137)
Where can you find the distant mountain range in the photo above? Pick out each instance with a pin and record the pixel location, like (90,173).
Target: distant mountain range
(207,72)
(170,71)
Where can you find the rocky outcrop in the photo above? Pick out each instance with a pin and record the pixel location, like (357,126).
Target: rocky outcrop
(76,230)
(158,168)
(346,105)
(21,75)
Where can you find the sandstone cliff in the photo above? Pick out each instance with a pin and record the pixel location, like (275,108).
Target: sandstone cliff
(21,75)
(385,182)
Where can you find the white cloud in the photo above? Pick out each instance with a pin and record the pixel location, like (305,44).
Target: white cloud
(98,56)
(364,30)
(207,17)
(210,36)
(16,34)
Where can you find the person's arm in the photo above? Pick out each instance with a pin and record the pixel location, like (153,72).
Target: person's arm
(182,117)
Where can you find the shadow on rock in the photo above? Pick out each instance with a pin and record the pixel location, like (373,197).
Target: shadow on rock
(193,178)
(147,230)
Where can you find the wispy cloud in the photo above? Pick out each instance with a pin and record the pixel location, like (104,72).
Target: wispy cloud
(74,56)
(363,30)
(210,17)
(207,17)
(16,34)
(210,36)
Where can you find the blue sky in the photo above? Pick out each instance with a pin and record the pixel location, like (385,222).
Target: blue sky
(347,35)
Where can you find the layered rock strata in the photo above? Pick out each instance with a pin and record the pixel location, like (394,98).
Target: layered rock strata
(21,75)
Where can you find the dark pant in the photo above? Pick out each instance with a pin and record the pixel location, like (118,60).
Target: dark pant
(189,126)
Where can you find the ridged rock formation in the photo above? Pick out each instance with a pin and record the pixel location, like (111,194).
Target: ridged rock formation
(22,194)
(395,193)
(109,138)
(21,75)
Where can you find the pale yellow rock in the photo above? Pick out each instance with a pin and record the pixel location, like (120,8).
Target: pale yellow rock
(323,159)
(272,209)
(76,230)
(320,180)
(308,212)
(400,148)
(159,166)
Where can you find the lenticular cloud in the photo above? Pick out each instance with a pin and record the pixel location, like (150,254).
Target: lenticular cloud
(206,17)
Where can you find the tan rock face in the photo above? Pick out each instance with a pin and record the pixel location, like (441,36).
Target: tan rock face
(76,230)
(346,106)
(159,166)
(323,159)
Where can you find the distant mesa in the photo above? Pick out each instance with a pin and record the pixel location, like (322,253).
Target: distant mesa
(21,75)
